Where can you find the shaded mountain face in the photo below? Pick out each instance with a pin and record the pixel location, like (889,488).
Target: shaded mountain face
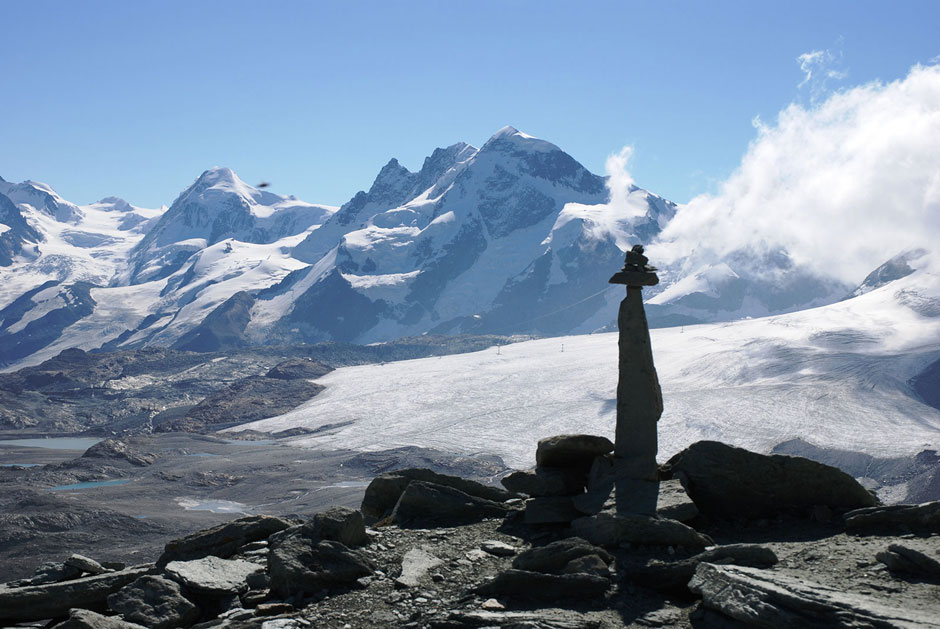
(15,232)
(479,240)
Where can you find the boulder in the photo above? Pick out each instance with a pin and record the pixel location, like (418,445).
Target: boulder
(605,529)
(572,451)
(213,575)
(383,492)
(555,557)
(670,575)
(923,519)
(416,563)
(545,481)
(54,572)
(551,510)
(154,602)
(764,598)
(36,602)
(537,585)
(498,548)
(340,524)
(222,541)
(85,564)
(425,504)
(589,564)
(297,564)
(84,619)
(731,482)
(900,558)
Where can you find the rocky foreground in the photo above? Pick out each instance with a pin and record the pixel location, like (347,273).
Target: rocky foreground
(740,539)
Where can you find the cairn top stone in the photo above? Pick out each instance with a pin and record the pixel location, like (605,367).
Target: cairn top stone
(636,270)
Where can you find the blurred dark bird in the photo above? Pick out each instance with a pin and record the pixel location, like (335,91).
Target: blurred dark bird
(263,184)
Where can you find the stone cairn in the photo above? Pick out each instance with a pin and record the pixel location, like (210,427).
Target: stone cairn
(576,474)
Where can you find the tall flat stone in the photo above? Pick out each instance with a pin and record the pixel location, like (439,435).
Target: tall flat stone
(639,397)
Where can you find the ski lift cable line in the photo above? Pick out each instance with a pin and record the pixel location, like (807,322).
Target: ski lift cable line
(554,312)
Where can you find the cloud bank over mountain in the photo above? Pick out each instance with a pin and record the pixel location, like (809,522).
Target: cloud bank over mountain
(839,185)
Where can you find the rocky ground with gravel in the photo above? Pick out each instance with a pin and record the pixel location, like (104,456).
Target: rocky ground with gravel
(799,545)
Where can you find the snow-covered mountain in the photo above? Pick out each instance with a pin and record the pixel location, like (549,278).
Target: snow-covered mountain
(513,237)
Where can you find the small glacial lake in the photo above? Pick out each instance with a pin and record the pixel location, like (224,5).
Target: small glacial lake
(90,484)
(20,464)
(351,483)
(215,506)
(52,443)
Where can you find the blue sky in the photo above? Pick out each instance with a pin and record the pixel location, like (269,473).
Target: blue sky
(135,99)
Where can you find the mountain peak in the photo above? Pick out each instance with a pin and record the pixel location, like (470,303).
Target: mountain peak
(518,140)
(218,174)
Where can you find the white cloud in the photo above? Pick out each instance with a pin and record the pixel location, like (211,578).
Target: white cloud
(842,185)
(819,67)
(625,199)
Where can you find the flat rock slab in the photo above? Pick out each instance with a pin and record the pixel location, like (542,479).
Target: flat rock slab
(763,598)
(572,451)
(84,619)
(415,565)
(605,529)
(36,602)
(424,504)
(384,491)
(224,540)
(553,618)
(671,575)
(536,585)
(211,574)
(85,564)
(923,518)
(900,558)
(730,482)
(154,602)
(545,481)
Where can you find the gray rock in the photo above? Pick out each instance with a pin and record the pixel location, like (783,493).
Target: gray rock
(669,575)
(116,449)
(554,558)
(85,564)
(577,451)
(764,598)
(383,492)
(84,619)
(297,564)
(415,565)
(340,524)
(224,540)
(543,618)
(500,549)
(545,481)
(589,564)
(732,482)
(674,503)
(35,602)
(923,518)
(211,574)
(606,529)
(900,558)
(551,510)
(537,585)
(426,504)
(154,602)
(54,572)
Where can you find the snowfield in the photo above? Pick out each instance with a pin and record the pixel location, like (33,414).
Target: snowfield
(835,376)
